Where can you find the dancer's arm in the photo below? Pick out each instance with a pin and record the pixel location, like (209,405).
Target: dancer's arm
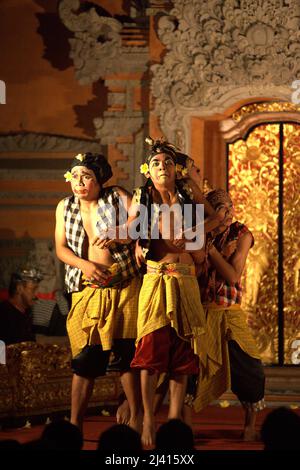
(232,271)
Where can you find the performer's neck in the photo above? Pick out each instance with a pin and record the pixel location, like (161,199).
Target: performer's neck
(87,205)
(167,193)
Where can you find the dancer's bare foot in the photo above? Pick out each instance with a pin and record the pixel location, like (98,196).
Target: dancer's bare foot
(123,413)
(148,434)
(136,422)
(250,435)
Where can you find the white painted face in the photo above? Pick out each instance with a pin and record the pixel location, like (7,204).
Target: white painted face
(162,169)
(84,183)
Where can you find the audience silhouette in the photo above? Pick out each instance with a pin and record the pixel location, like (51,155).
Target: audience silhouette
(281,430)
(61,435)
(10,445)
(121,437)
(174,435)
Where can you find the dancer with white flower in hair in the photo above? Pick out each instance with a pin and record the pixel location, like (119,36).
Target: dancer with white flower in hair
(103,277)
(171,324)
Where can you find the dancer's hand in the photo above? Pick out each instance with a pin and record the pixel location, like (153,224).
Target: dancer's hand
(102,243)
(94,272)
(139,256)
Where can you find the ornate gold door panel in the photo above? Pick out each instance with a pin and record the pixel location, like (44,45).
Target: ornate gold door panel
(264,180)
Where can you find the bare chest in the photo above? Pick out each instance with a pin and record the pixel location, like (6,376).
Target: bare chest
(89,222)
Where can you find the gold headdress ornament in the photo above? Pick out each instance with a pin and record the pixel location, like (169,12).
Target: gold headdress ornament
(218,197)
(160,146)
(149,140)
(183,164)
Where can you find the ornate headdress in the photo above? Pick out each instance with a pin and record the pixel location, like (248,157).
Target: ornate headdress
(93,161)
(157,147)
(183,164)
(218,197)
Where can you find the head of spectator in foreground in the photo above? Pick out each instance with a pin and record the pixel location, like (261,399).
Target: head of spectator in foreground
(281,430)
(23,287)
(120,436)
(61,435)
(174,435)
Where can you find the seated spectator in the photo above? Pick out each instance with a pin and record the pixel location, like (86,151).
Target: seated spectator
(61,435)
(15,315)
(281,430)
(174,435)
(49,315)
(121,437)
(10,445)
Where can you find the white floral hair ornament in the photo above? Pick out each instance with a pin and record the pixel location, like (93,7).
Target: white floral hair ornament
(80,157)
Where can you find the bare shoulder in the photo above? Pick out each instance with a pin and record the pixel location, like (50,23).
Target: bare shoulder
(245,241)
(60,206)
(61,202)
(122,191)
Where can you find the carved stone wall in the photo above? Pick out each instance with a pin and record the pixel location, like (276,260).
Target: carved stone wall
(31,184)
(104,48)
(32,168)
(219,52)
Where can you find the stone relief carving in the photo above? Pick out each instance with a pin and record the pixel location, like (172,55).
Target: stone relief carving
(96,48)
(96,41)
(35,143)
(110,127)
(221,51)
(31,142)
(99,49)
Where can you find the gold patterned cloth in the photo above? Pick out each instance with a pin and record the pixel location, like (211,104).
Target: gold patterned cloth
(170,295)
(100,314)
(222,325)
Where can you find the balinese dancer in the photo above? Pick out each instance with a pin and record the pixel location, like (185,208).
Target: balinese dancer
(171,324)
(102,275)
(233,360)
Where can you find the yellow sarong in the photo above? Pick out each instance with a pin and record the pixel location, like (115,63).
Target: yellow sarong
(222,325)
(170,295)
(98,315)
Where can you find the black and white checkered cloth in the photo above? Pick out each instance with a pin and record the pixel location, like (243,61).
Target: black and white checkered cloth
(75,234)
